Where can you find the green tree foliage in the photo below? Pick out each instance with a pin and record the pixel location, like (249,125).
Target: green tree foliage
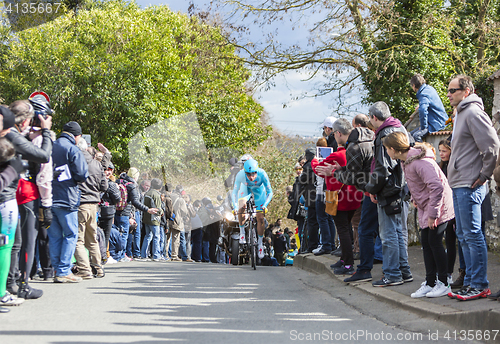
(413,38)
(118,69)
(437,39)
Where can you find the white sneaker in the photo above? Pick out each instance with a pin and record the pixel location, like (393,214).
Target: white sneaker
(316,250)
(125,259)
(422,291)
(10,300)
(260,251)
(439,290)
(111,260)
(242,238)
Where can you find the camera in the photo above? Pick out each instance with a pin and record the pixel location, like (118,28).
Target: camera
(41,107)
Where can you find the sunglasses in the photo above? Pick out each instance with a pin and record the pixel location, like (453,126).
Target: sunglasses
(453,90)
(250,173)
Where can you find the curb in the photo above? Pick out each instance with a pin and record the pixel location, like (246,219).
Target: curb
(484,320)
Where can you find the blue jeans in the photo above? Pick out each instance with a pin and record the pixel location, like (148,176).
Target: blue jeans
(377,248)
(163,253)
(197,238)
(63,235)
(206,251)
(367,232)
(152,232)
(418,134)
(326,225)
(394,243)
(182,246)
(187,235)
(134,240)
(467,204)
(123,226)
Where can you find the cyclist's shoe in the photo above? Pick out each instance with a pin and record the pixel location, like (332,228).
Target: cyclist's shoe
(260,251)
(242,238)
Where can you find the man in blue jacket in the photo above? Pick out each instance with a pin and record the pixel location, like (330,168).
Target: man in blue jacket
(430,108)
(70,168)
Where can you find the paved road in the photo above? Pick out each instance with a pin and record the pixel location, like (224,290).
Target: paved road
(147,302)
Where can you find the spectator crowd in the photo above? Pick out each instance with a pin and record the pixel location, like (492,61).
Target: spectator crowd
(358,195)
(66,214)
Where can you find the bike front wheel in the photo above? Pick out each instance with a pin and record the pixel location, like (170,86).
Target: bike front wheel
(253,247)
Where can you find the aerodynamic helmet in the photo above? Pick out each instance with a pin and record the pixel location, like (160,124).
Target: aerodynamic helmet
(251,166)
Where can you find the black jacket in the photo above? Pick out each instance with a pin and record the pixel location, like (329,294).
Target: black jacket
(293,199)
(308,179)
(133,197)
(109,199)
(331,142)
(387,178)
(28,151)
(359,155)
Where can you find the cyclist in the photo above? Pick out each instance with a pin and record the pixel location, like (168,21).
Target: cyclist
(252,180)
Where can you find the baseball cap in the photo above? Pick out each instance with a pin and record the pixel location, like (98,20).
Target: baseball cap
(328,122)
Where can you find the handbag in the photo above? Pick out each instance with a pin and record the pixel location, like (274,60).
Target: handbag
(332,201)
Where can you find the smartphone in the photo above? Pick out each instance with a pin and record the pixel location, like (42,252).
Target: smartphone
(323,152)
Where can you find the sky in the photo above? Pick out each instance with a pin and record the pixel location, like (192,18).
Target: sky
(291,116)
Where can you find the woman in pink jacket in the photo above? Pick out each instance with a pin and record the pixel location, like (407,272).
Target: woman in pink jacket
(432,196)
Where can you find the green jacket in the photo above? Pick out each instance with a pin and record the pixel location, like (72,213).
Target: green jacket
(152,199)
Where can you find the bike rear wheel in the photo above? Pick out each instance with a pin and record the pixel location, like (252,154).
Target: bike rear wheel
(235,252)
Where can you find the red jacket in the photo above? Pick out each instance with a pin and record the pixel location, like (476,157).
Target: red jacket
(349,197)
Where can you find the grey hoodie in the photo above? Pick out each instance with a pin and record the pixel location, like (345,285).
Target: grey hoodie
(474,145)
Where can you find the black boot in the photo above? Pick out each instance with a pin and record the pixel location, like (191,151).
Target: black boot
(459,282)
(28,293)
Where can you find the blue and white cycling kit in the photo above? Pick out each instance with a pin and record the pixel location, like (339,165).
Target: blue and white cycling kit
(260,188)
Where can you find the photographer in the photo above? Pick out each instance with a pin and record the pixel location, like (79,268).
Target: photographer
(27,191)
(9,171)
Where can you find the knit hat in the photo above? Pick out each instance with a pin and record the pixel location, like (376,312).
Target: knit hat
(8,117)
(111,166)
(73,128)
